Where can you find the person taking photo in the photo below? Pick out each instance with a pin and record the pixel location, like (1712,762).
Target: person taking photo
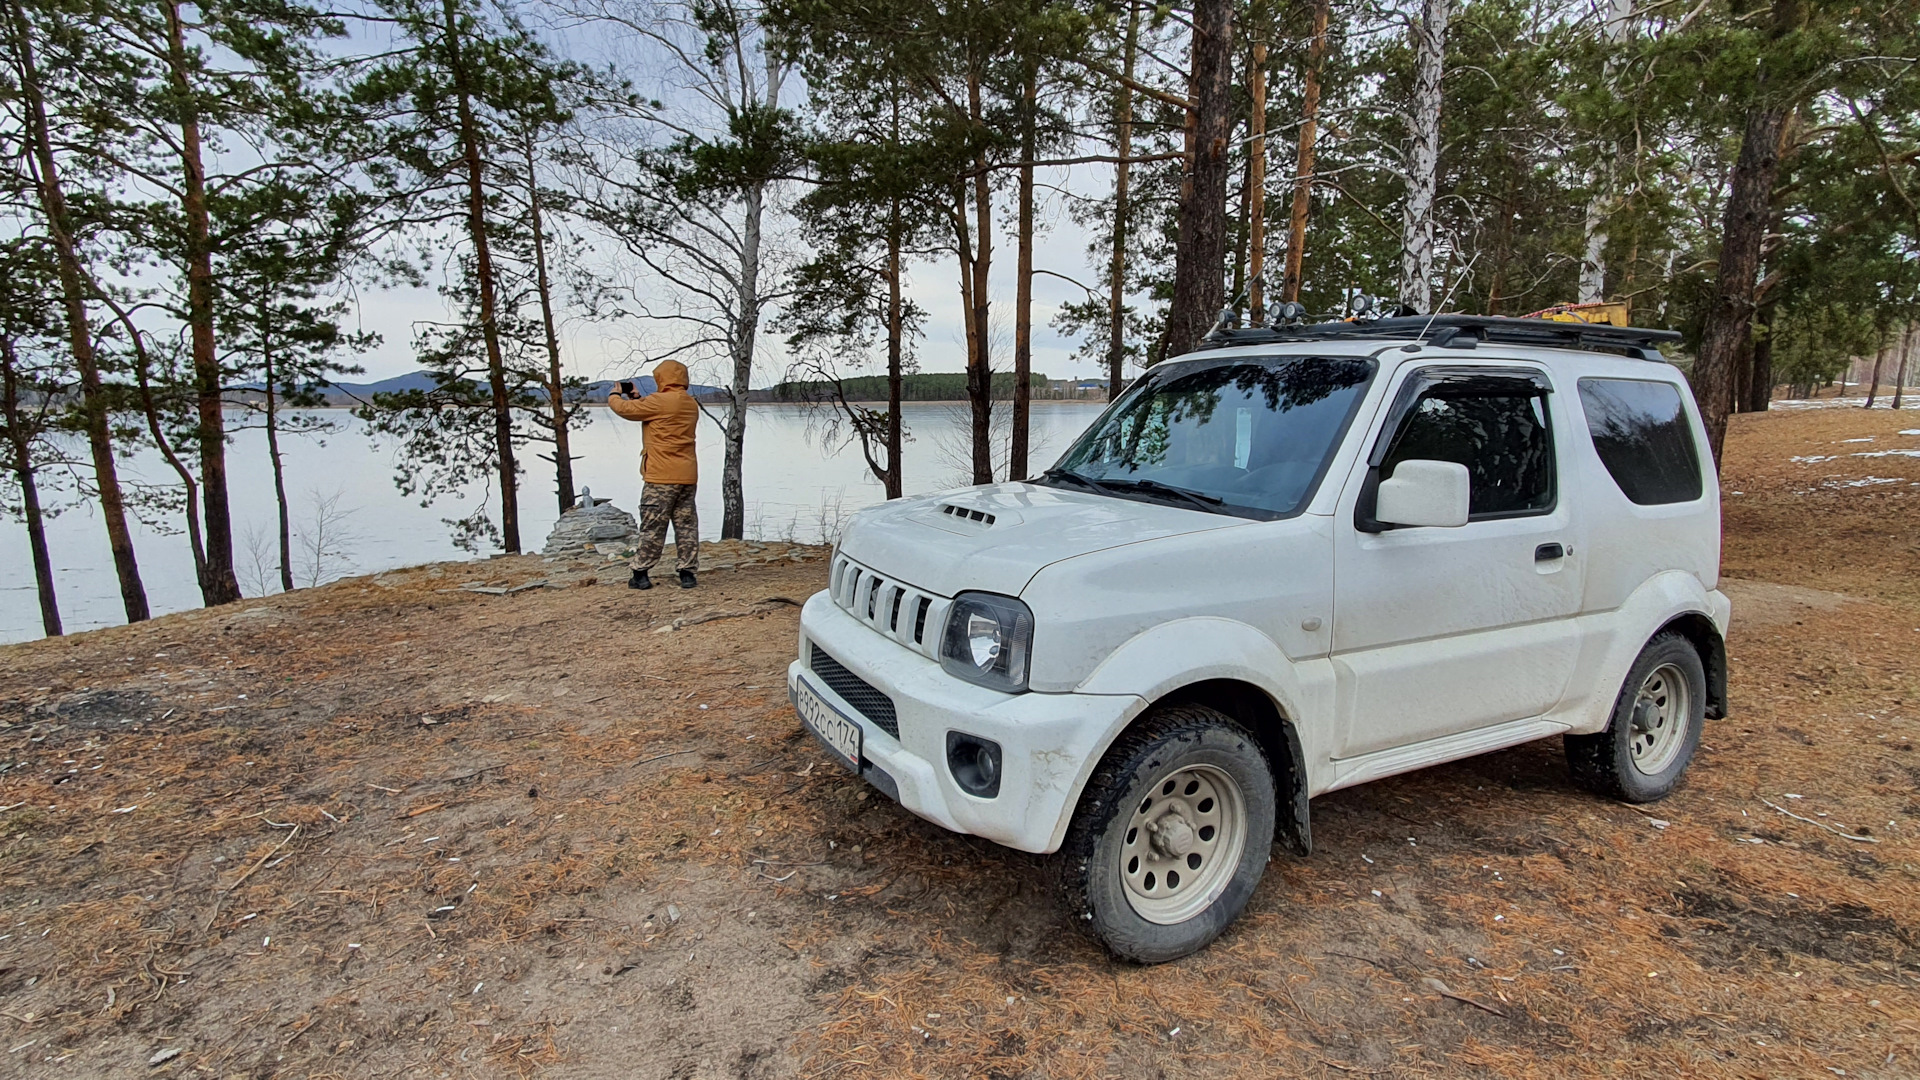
(669,472)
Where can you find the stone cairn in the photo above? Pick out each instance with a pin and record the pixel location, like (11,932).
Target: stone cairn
(592,525)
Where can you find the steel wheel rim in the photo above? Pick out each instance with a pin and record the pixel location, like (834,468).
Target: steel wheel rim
(1658,725)
(1183,843)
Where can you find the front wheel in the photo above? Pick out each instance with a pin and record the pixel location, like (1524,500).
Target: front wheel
(1172,835)
(1655,728)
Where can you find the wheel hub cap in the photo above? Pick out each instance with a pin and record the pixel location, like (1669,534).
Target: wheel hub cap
(1172,836)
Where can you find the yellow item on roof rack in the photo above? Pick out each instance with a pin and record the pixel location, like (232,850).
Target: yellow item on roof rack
(1600,314)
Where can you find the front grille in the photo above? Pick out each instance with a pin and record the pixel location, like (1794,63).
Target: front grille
(908,615)
(856,691)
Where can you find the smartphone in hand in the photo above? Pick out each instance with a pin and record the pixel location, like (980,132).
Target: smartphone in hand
(626,387)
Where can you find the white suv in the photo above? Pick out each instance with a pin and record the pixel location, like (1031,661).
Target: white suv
(1294,561)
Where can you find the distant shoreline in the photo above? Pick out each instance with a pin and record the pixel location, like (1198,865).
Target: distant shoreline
(767,404)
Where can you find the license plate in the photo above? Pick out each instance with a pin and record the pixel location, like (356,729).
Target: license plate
(841,735)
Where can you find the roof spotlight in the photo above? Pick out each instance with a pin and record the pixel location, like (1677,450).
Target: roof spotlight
(1362,304)
(1288,312)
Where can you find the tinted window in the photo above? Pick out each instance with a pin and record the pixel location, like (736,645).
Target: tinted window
(1501,438)
(1641,433)
(1254,435)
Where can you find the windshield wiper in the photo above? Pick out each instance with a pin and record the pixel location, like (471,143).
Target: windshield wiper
(1073,477)
(1141,487)
(1155,487)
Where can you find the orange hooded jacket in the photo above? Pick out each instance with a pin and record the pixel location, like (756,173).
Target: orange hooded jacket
(670,415)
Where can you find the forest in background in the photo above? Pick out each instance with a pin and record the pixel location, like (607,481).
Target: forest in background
(198,197)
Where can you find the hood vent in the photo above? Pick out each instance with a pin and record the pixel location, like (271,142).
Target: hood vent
(962,513)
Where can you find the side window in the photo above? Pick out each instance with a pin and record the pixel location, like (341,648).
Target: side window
(1641,433)
(1501,435)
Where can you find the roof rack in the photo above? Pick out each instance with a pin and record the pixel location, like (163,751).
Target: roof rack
(1460,332)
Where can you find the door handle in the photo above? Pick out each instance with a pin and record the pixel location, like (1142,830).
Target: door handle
(1549,552)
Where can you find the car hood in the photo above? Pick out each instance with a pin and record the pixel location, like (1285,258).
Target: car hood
(995,538)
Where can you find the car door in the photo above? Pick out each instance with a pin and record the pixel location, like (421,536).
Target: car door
(1438,631)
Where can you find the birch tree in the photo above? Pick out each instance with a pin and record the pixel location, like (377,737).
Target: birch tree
(1423,157)
(693,211)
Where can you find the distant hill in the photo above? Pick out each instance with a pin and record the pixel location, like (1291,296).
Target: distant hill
(347,394)
(931,386)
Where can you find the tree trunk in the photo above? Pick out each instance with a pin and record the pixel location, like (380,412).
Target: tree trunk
(1257,175)
(896,333)
(1423,164)
(733,511)
(1023,283)
(483,270)
(1117,271)
(745,339)
(1593,262)
(133,594)
(1303,168)
(1199,282)
(1760,367)
(1743,233)
(1730,318)
(1873,377)
(284,519)
(556,383)
(1237,215)
(142,363)
(23,471)
(1900,374)
(980,363)
(218,585)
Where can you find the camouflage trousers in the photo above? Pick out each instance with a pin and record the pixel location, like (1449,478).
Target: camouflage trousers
(661,505)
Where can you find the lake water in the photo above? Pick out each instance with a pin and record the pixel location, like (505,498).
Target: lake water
(798,485)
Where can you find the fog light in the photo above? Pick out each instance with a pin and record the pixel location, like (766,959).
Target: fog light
(974,763)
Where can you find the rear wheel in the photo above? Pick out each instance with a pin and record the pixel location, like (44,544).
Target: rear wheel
(1172,835)
(1655,728)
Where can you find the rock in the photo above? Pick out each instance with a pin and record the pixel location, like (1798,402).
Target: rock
(164,1056)
(592,525)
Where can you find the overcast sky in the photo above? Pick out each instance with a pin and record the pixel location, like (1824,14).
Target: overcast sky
(603,350)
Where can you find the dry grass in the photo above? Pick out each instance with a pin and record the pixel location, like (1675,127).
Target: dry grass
(473,835)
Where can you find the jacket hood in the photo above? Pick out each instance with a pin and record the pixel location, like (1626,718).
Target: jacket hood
(670,375)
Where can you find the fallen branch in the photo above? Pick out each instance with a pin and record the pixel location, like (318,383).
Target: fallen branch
(1824,825)
(470,775)
(221,896)
(1445,991)
(761,608)
(657,757)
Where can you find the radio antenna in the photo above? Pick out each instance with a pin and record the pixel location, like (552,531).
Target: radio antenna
(1464,271)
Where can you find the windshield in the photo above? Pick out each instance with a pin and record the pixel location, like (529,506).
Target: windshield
(1246,436)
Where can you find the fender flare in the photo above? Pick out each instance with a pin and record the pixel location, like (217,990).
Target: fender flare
(1204,659)
(1669,600)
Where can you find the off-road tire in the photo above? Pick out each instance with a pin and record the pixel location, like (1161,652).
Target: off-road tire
(1088,866)
(1604,764)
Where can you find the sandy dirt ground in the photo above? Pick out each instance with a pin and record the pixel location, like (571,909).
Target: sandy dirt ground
(393,827)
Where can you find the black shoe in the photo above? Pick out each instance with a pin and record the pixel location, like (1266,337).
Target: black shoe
(639,580)
(686,579)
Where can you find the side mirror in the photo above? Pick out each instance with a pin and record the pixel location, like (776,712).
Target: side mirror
(1424,493)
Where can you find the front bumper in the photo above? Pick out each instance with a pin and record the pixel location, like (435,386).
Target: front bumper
(1048,742)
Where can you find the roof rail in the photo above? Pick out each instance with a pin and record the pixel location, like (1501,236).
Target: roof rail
(1461,332)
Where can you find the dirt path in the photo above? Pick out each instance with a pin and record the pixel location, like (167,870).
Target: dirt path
(391,827)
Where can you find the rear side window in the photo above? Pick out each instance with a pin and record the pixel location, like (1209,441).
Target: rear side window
(1501,436)
(1641,433)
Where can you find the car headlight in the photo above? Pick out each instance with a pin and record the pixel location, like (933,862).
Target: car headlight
(987,641)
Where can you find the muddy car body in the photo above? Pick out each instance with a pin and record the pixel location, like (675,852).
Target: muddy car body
(1275,568)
